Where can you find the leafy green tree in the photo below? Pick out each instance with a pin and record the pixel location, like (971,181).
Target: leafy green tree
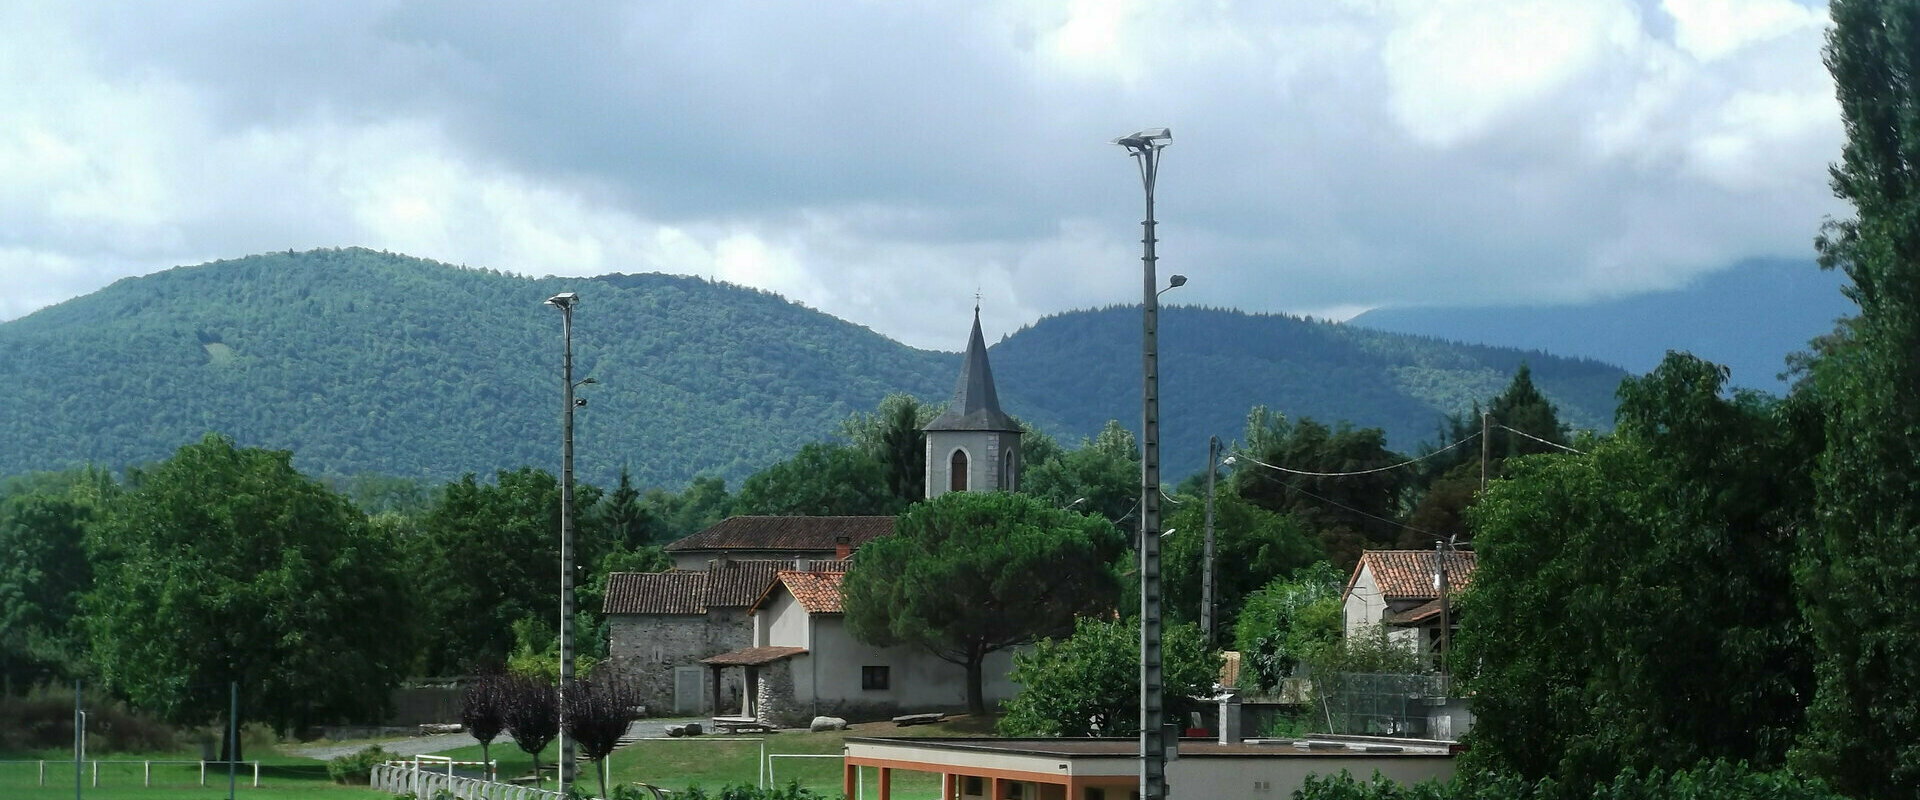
(1288,622)
(702,504)
(1348,513)
(626,521)
(1088,684)
(489,557)
(1101,476)
(1524,409)
(1861,578)
(225,564)
(1651,580)
(968,574)
(44,570)
(821,480)
(894,437)
(1252,546)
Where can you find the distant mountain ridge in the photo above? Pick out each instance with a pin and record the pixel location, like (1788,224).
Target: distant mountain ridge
(1749,318)
(361,361)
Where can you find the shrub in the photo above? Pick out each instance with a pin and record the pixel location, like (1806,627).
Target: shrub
(357,768)
(43,720)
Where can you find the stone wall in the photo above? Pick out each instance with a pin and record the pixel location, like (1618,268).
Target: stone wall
(647,648)
(775,704)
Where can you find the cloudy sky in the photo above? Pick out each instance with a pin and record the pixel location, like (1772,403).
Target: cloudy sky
(884,160)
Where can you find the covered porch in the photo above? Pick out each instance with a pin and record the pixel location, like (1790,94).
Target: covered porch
(753,660)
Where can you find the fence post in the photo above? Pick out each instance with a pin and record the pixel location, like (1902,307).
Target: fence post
(256,774)
(146,774)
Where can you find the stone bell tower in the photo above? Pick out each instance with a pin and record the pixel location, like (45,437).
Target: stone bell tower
(974,446)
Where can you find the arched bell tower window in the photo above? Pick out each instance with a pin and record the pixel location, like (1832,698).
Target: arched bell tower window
(1006,471)
(957,470)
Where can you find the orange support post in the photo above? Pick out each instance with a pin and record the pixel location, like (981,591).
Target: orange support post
(886,783)
(849,775)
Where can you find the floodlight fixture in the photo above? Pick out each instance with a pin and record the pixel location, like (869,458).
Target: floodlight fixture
(1151,137)
(563,300)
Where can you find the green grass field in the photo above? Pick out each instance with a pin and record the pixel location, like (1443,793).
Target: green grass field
(707,761)
(122,776)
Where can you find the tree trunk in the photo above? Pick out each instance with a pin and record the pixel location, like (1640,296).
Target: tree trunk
(537,782)
(976,696)
(600,767)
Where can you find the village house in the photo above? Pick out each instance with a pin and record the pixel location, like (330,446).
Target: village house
(1399,591)
(761,594)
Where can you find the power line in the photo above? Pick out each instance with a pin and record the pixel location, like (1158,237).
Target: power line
(1407,462)
(1538,439)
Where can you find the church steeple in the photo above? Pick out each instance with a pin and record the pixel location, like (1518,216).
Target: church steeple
(976,405)
(974,446)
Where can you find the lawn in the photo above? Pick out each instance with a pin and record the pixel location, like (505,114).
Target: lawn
(713,761)
(122,776)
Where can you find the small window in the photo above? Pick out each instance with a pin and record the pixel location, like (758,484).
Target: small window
(975,786)
(1095,793)
(874,679)
(957,471)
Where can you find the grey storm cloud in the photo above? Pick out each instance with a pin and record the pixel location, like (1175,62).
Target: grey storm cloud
(885,161)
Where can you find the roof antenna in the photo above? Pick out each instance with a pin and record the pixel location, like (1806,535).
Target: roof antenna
(976,302)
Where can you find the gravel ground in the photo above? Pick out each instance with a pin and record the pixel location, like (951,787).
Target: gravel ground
(442,742)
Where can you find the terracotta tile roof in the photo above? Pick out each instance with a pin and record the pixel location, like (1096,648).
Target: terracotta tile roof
(818,592)
(737,583)
(1429,610)
(753,656)
(656,593)
(818,534)
(1409,574)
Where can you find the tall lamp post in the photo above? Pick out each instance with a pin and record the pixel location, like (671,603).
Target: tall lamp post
(1206,570)
(565,301)
(1145,148)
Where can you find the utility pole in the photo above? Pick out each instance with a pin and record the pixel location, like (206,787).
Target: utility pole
(1442,551)
(565,301)
(1145,148)
(1485,448)
(1206,573)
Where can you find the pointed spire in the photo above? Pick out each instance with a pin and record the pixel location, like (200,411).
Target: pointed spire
(975,406)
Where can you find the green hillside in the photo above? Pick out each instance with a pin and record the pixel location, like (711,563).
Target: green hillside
(360,361)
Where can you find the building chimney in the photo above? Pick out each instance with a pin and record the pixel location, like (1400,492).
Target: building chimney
(802,565)
(842,547)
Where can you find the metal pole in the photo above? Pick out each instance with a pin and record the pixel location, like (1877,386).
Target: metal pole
(1442,550)
(79,734)
(233,733)
(565,771)
(1484,450)
(1206,571)
(1153,779)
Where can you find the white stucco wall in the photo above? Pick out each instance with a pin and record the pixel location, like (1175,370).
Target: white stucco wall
(828,677)
(1364,605)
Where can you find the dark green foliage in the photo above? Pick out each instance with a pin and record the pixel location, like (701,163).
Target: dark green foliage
(1252,546)
(1088,684)
(967,574)
(488,557)
(893,436)
(1347,514)
(791,791)
(225,564)
(355,769)
(625,519)
(42,719)
(1708,780)
(704,502)
(1650,581)
(44,570)
(599,711)
(1861,577)
(1287,622)
(822,480)
(360,361)
(1101,476)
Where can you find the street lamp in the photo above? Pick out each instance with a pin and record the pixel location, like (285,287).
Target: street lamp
(1206,569)
(1145,147)
(565,301)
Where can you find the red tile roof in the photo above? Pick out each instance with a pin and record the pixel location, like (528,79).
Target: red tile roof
(753,656)
(818,592)
(808,534)
(1409,574)
(734,583)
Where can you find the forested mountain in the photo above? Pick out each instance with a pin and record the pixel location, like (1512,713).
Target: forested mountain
(1748,318)
(360,361)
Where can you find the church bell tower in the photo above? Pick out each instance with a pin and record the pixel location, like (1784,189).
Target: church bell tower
(974,446)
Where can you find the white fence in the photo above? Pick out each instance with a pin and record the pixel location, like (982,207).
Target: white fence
(146,768)
(402,778)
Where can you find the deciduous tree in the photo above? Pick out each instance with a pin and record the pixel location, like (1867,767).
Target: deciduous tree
(1088,684)
(225,564)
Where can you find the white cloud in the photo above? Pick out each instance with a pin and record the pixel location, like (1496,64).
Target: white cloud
(885,161)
